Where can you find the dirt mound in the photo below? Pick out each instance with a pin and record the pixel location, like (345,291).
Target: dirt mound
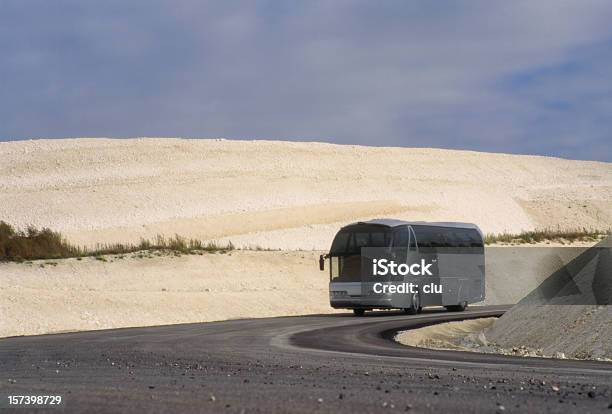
(570,312)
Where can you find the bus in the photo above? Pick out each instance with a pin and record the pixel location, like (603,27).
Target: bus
(433,264)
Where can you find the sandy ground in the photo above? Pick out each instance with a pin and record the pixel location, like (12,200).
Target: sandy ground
(446,335)
(577,332)
(270,194)
(72,295)
(284,195)
(573,331)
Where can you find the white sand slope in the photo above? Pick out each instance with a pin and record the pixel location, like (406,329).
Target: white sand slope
(284,194)
(73,295)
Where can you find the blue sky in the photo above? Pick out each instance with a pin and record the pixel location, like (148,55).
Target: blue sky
(521,77)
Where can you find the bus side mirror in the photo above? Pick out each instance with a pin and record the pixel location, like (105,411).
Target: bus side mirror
(321,263)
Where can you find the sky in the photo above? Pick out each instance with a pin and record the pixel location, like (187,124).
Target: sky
(527,77)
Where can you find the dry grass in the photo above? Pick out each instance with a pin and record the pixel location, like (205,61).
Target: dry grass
(176,244)
(19,245)
(546,235)
(34,244)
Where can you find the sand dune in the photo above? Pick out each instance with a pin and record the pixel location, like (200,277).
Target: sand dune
(71,295)
(284,194)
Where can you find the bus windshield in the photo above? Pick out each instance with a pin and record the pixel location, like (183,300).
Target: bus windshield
(349,241)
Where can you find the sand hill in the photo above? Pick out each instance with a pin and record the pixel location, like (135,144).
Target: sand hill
(284,194)
(271,194)
(144,289)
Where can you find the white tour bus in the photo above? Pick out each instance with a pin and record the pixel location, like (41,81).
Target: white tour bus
(449,257)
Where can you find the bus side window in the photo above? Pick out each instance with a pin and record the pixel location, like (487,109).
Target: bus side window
(400,238)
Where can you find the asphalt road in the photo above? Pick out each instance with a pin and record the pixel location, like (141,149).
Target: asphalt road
(323,363)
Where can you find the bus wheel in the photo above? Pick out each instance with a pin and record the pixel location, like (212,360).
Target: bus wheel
(415,305)
(358,312)
(458,308)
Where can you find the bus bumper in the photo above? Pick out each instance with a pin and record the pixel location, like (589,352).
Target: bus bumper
(361,303)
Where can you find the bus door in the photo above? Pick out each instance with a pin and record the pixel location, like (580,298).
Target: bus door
(426,251)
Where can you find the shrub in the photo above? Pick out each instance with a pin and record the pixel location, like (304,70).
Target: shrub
(544,235)
(32,244)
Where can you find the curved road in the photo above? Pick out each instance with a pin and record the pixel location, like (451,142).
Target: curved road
(322,363)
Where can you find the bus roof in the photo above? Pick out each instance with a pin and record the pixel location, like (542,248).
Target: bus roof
(396,223)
